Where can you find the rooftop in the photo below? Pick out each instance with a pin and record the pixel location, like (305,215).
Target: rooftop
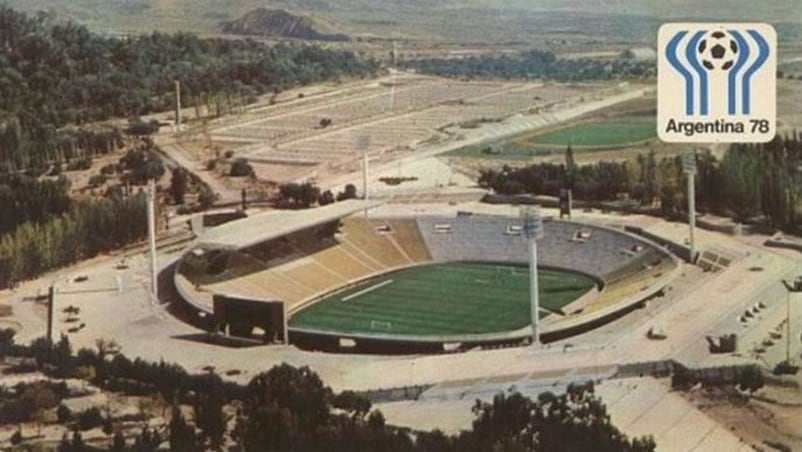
(272,224)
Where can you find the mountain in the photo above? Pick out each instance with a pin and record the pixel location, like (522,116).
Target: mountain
(280,23)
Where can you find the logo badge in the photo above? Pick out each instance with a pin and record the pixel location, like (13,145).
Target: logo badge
(716,82)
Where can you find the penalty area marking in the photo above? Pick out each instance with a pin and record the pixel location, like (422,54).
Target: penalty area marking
(367,289)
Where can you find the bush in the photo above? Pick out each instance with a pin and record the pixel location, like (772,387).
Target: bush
(16,438)
(228,154)
(64,414)
(241,168)
(348,193)
(97,180)
(109,169)
(785,368)
(206,198)
(750,379)
(83,163)
(141,128)
(90,419)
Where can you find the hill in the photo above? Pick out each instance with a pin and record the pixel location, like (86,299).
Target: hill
(280,23)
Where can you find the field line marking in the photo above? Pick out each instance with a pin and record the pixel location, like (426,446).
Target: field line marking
(367,289)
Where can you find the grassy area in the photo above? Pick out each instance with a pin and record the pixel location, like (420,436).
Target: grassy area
(604,134)
(614,132)
(441,299)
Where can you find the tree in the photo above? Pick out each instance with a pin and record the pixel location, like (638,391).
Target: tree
(750,379)
(282,409)
(327,197)
(576,420)
(62,357)
(298,196)
(182,435)
(118,442)
(16,437)
(35,399)
(352,403)
(349,192)
(209,415)
(570,167)
(206,198)
(178,185)
(241,168)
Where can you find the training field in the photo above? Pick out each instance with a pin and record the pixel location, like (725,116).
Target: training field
(441,300)
(613,132)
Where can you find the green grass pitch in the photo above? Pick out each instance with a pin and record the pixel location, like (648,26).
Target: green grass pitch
(441,299)
(603,133)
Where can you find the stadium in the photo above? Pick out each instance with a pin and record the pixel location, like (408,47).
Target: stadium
(334,279)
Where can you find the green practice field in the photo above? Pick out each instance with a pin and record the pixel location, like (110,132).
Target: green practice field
(614,132)
(440,300)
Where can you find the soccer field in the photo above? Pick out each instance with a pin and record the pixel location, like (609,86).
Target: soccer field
(441,299)
(607,133)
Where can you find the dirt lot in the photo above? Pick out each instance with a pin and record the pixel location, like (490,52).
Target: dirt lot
(773,415)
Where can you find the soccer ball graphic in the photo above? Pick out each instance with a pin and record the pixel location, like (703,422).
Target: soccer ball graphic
(717,51)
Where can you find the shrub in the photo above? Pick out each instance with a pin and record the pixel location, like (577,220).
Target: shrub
(64,414)
(785,368)
(83,163)
(750,379)
(108,169)
(140,128)
(97,180)
(90,419)
(241,168)
(16,438)
(206,198)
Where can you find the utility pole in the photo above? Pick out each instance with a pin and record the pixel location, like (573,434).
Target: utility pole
(151,205)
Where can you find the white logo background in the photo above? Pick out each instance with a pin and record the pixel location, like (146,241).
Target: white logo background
(745,113)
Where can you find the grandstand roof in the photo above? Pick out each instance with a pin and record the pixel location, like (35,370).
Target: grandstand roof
(272,224)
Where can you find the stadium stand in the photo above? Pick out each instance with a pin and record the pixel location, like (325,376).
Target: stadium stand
(486,238)
(301,267)
(407,235)
(363,235)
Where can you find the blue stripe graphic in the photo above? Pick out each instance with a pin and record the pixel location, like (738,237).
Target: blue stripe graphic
(762,56)
(671,56)
(691,55)
(743,55)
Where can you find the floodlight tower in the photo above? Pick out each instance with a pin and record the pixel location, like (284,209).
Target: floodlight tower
(151,205)
(177,105)
(362,144)
(689,168)
(533,230)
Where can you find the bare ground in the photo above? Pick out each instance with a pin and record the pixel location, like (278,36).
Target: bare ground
(772,415)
